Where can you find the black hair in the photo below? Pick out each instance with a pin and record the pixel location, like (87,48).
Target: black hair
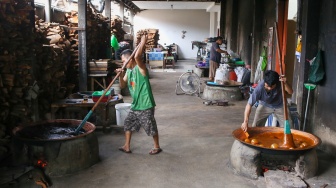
(126,52)
(219,38)
(271,77)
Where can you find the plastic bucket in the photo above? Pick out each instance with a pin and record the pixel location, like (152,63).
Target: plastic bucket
(122,110)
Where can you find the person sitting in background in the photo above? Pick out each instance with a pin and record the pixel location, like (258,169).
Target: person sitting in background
(269,95)
(215,57)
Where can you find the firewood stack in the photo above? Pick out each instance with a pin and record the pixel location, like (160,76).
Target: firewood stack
(35,63)
(98,34)
(117,30)
(71,23)
(98,39)
(153,38)
(16,59)
(52,49)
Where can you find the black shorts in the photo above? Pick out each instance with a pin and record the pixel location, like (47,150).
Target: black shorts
(141,118)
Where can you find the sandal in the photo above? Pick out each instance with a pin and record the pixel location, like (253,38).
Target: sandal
(125,151)
(155,151)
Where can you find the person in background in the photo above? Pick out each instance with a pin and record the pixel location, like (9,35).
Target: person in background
(143,105)
(215,57)
(269,95)
(298,46)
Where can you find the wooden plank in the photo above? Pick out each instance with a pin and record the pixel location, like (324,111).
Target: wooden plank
(97,69)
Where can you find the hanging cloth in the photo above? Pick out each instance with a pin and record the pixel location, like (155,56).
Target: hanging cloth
(264,59)
(316,72)
(114,42)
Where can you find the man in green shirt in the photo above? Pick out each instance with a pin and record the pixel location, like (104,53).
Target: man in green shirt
(143,104)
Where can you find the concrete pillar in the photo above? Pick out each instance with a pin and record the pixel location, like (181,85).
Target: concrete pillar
(222,18)
(82,45)
(121,12)
(108,11)
(213,24)
(47,10)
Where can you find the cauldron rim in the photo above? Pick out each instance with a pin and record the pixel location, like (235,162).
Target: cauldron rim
(238,133)
(238,84)
(88,127)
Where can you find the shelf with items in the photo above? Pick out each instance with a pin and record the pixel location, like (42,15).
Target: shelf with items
(201,49)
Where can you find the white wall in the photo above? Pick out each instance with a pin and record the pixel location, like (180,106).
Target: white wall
(171,23)
(292,9)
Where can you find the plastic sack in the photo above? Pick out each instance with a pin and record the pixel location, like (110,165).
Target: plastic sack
(239,72)
(222,74)
(258,73)
(114,42)
(316,72)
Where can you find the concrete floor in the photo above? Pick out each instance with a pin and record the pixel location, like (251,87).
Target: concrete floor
(196,142)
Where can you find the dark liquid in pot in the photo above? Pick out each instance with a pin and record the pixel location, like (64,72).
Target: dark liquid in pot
(49,131)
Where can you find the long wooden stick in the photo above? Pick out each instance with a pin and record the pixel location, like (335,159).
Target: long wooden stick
(101,97)
(288,137)
(281,72)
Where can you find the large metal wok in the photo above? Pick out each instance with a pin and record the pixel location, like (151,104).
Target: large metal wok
(32,132)
(239,135)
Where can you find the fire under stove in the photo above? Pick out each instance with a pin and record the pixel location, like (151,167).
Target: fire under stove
(58,153)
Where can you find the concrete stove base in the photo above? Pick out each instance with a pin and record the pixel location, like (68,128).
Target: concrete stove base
(246,161)
(230,93)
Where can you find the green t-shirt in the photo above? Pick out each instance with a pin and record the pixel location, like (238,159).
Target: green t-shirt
(140,89)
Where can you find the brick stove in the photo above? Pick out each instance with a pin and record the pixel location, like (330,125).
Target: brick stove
(253,161)
(58,156)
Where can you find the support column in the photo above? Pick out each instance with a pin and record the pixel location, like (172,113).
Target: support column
(121,12)
(222,18)
(82,45)
(108,14)
(47,11)
(108,11)
(310,41)
(213,24)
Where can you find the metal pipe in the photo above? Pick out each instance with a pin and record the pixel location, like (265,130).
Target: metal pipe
(82,45)
(305,119)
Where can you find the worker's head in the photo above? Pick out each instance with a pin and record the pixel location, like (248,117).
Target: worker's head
(271,79)
(219,40)
(125,55)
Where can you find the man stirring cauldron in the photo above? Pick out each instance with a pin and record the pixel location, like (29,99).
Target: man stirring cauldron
(143,104)
(269,95)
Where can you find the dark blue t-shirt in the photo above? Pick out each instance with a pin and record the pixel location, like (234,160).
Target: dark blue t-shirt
(214,55)
(273,99)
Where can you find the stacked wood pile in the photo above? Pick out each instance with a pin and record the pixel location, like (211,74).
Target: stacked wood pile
(16,59)
(52,49)
(153,38)
(116,27)
(98,39)
(98,35)
(71,25)
(35,58)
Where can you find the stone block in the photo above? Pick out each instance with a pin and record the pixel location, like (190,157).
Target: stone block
(307,164)
(282,179)
(245,160)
